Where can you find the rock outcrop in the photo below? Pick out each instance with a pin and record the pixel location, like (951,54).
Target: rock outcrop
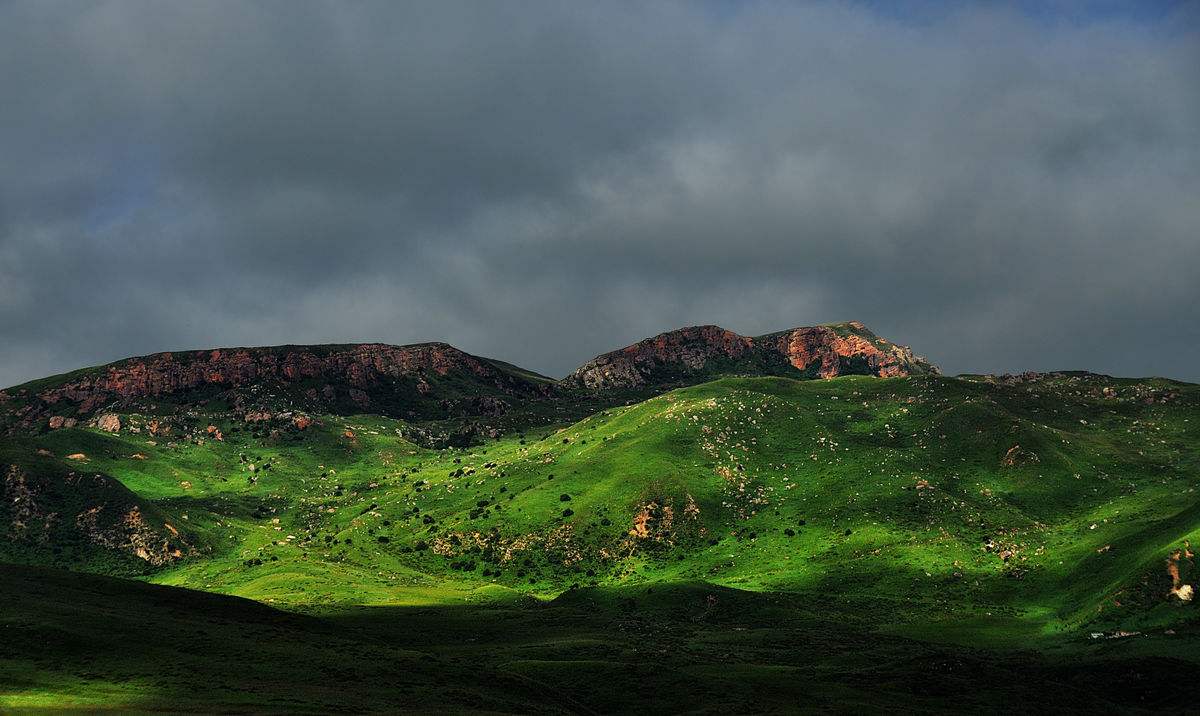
(323,377)
(109,422)
(428,381)
(695,353)
(853,350)
(44,507)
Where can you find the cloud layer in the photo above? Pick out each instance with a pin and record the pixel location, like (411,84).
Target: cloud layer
(544,182)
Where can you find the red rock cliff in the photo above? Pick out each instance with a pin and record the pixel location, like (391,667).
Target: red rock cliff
(817,351)
(360,367)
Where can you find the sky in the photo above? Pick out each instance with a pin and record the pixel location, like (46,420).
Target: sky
(1002,186)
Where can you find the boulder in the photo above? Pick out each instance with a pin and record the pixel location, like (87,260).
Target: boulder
(1018,456)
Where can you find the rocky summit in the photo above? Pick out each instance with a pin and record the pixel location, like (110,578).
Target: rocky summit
(436,381)
(422,381)
(691,354)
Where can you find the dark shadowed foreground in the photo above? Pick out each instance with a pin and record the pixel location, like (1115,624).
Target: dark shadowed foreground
(94,642)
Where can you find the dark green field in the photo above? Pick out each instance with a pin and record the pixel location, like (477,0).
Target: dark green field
(747,544)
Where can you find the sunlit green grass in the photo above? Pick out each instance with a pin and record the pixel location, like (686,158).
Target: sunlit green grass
(879,504)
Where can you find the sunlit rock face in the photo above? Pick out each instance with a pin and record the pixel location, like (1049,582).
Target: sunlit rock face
(324,378)
(690,353)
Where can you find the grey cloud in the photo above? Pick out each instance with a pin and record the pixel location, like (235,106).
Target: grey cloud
(543,182)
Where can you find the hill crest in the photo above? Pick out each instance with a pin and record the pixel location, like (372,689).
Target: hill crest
(436,381)
(423,381)
(823,351)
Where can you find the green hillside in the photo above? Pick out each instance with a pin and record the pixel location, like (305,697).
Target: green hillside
(83,642)
(995,525)
(63,512)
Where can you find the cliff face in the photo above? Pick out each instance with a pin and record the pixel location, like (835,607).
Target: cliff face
(432,381)
(688,348)
(854,350)
(320,376)
(361,366)
(694,353)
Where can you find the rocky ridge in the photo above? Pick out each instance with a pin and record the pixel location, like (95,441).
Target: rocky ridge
(322,378)
(433,381)
(697,352)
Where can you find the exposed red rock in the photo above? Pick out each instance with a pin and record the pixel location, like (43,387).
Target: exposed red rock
(817,351)
(109,423)
(355,373)
(823,347)
(1179,590)
(359,365)
(1018,456)
(167,373)
(430,381)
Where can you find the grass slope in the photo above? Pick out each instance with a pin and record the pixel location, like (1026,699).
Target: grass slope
(871,519)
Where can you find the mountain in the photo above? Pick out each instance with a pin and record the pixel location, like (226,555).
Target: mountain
(692,355)
(422,382)
(657,531)
(667,554)
(467,397)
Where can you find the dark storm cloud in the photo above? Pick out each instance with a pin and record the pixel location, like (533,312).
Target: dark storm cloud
(539,183)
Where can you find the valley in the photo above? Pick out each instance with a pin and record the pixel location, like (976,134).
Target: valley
(699,536)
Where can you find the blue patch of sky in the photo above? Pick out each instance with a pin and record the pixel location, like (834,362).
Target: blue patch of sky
(1050,12)
(134,179)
